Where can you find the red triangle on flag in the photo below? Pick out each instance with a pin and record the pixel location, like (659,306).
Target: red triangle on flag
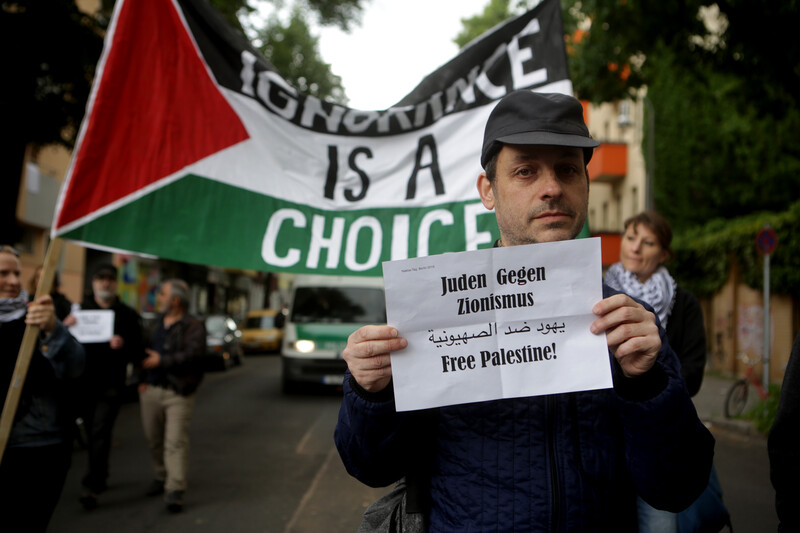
(156,110)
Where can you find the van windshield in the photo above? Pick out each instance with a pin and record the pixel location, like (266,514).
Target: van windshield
(339,304)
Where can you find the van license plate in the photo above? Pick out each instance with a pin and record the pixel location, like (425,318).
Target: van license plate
(333,380)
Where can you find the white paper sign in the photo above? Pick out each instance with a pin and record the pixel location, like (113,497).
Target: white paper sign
(496,323)
(93,325)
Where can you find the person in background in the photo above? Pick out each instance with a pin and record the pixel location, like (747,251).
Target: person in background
(104,381)
(171,373)
(38,452)
(571,462)
(640,272)
(783,446)
(61,303)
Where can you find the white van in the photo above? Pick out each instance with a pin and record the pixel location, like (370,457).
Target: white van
(323,312)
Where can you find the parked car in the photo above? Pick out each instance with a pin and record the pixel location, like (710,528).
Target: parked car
(262,330)
(223,343)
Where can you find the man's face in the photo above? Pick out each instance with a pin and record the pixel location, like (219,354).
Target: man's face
(104,286)
(540,193)
(164,298)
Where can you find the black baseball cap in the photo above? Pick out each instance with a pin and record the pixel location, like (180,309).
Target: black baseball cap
(527,117)
(105,269)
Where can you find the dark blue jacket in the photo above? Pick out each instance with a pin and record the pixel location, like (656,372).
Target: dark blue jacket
(564,462)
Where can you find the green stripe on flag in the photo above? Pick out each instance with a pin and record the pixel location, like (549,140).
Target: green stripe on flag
(202,221)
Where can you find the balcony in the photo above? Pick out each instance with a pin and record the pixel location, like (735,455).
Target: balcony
(610,244)
(609,163)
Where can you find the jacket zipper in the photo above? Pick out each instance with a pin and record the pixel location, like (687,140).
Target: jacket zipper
(551,457)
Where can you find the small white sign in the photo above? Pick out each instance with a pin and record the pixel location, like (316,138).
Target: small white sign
(93,326)
(497,323)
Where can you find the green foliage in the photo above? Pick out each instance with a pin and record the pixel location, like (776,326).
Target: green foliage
(716,156)
(51,49)
(763,413)
(495,12)
(625,31)
(294,52)
(703,256)
(340,13)
(726,113)
(231,10)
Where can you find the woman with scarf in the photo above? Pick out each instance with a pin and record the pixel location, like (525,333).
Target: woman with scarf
(39,447)
(641,273)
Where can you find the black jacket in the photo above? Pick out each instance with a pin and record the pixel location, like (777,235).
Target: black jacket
(687,336)
(46,411)
(784,446)
(106,369)
(181,355)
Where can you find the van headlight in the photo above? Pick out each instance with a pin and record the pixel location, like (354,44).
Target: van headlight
(304,346)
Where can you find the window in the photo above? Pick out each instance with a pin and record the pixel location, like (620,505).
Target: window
(339,305)
(260,322)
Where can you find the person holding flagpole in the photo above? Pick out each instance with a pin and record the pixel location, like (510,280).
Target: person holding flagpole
(39,448)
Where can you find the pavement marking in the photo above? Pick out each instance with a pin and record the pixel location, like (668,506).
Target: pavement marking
(319,435)
(311,489)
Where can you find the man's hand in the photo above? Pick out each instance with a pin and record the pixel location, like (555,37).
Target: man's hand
(42,314)
(153,359)
(367,355)
(116,342)
(632,333)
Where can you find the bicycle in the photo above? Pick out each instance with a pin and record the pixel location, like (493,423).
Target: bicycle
(736,399)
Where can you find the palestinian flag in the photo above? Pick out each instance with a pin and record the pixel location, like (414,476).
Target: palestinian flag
(195,149)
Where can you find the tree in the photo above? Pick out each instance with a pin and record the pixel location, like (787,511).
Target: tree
(51,50)
(495,12)
(726,116)
(294,52)
(724,97)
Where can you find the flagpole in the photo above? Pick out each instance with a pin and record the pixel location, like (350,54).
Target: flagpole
(28,344)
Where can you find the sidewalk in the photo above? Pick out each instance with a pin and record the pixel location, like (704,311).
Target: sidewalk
(710,404)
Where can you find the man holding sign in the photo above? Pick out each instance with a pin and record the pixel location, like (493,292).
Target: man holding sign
(555,462)
(107,362)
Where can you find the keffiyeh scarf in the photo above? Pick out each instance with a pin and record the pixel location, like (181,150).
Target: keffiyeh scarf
(13,308)
(659,290)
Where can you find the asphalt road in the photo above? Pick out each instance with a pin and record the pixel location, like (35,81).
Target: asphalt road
(264,462)
(741,459)
(259,462)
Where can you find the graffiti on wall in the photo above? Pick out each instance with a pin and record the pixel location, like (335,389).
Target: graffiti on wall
(750,329)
